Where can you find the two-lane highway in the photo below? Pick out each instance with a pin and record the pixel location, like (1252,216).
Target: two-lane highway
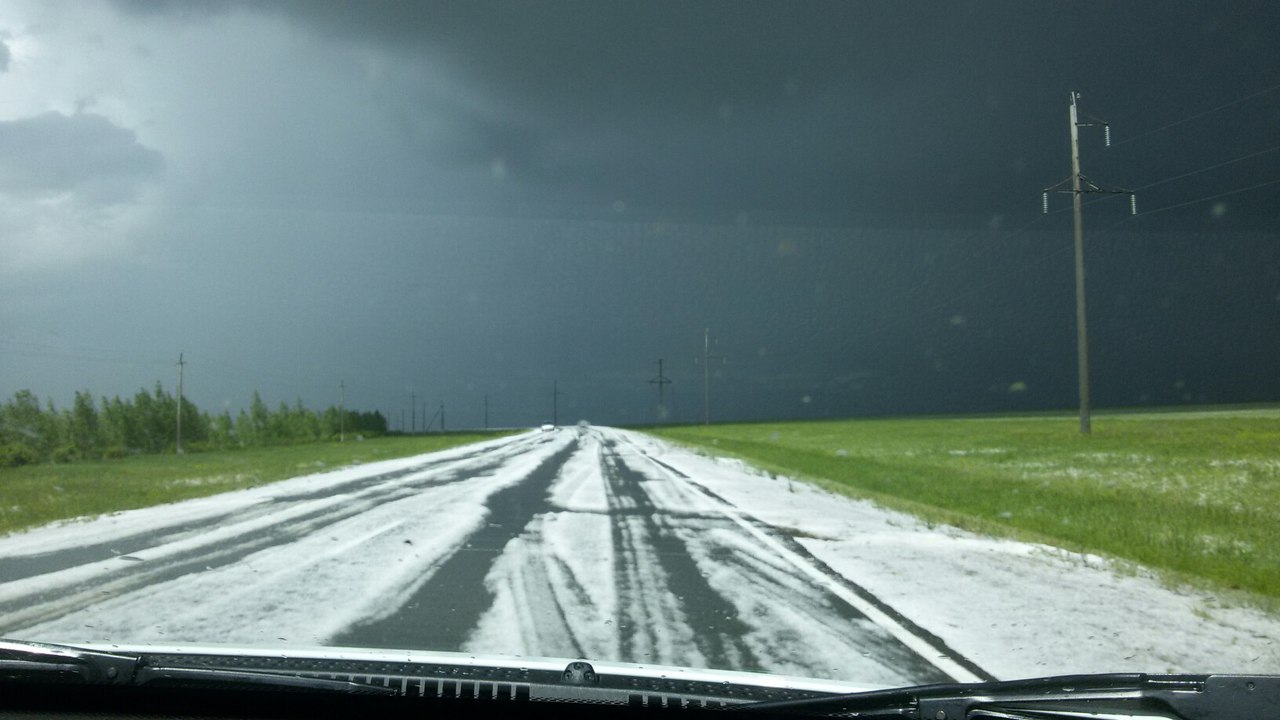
(573,543)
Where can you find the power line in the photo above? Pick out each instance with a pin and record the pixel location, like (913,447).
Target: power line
(1237,191)
(1214,167)
(1198,115)
(1179,176)
(916,291)
(53,352)
(995,280)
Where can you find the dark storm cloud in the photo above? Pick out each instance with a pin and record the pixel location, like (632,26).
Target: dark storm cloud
(650,104)
(482,198)
(798,112)
(85,154)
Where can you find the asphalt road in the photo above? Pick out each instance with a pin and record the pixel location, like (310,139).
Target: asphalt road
(573,543)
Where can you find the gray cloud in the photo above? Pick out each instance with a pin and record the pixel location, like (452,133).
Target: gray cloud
(4,56)
(481,198)
(84,154)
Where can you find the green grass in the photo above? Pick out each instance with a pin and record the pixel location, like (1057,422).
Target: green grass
(37,494)
(1193,494)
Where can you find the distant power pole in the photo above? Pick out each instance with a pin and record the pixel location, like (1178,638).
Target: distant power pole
(342,412)
(441,416)
(1079,186)
(178,444)
(413,412)
(662,382)
(707,357)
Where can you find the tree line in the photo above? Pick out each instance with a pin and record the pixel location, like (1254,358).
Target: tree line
(147,423)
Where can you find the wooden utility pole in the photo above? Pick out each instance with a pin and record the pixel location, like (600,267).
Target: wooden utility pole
(662,382)
(1079,186)
(707,357)
(1082,333)
(178,444)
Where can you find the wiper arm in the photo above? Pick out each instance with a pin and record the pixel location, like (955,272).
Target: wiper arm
(42,662)
(1099,697)
(46,663)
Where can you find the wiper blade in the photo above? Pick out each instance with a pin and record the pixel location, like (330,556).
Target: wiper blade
(1109,697)
(47,663)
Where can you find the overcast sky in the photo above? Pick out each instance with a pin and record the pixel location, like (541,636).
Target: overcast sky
(455,200)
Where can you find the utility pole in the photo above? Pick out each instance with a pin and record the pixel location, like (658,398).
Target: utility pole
(178,444)
(413,413)
(707,357)
(441,416)
(1079,186)
(662,382)
(342,412)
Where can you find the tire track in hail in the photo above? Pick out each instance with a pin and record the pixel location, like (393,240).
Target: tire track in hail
(443,612)
(956,665)
(641,531)
(52,600)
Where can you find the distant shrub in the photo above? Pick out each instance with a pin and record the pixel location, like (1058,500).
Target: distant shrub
(17,455)
(66,454)
(115,452)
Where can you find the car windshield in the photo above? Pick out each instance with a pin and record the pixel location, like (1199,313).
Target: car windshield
(886,343)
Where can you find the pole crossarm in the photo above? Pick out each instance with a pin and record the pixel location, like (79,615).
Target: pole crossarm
(1087,186)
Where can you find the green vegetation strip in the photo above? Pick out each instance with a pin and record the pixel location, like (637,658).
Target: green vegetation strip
(36,494)
(1196,494)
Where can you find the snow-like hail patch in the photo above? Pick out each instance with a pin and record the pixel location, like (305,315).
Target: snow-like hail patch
(578,486)
(553,591)
(795,628)
(79,532)
(378,551)
(645,553)
(1016,609)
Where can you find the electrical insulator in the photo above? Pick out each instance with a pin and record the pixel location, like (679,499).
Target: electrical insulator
(1106,135)
(1133,204)
(1044,203)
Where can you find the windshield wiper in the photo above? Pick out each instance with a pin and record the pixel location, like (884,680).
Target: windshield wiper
(1098,697)
(47,663)
(1076,697)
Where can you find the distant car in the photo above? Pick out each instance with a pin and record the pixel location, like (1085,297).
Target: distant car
(548,427)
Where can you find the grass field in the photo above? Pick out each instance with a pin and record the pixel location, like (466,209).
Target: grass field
(1195,494)
(37,494)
